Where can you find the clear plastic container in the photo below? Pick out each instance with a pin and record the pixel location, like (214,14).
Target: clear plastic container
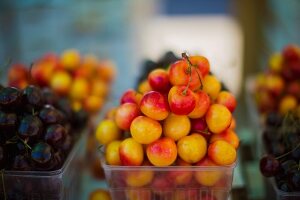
(279,194)
(168,183)
(60,184)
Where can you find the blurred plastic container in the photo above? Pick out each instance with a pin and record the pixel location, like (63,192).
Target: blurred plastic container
(274,193)
(126,182)
(60,184)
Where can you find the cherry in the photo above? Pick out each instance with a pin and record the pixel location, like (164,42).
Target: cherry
(295,180)
(7,120)
(292,139)
(50,115)
(58,159)
(8,125)
(290,53)
(277,148)
(296,154)
(15,146)
(41,153)
(32,95)
(287,73)
(285,186)
(20,163)
(149,65)
(55,135)
(67,144)
(49,96)
(273,119)
(10,98)
(30,126)
(288,165)
(269,166)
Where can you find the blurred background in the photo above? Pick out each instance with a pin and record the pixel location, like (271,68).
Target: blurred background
(120,29)
(236,36)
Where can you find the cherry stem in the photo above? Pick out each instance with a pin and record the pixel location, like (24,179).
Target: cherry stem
(281,156)
(12,140)
(33,112)
(201,86)
(204,132)
(24,142)
(189,71)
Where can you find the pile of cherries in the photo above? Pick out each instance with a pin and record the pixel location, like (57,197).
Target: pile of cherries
(36,129)
(282,142)
(148,65)
(163,62)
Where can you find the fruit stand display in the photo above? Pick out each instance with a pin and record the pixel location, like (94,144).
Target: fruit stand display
(173,138)
(277,98)
(44,115)
(84,79)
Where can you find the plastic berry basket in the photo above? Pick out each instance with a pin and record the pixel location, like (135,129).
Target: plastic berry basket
(63,183)
(125,182)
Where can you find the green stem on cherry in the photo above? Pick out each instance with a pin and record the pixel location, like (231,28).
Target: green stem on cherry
(12,140)
(25,143)
(190,66)
(283,155)
(204,132)
(189,71)
(201,86)
(33,112)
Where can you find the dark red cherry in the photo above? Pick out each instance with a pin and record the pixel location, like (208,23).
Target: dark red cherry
(41,153)
(284,186)
(50,115)
(8,125)
(290,53)
(58,159)
(273,119)
(32,96)
(49,96)
(55,135)
(20,163)
(269,166)
(288,166)
(10,98)
(30,126)
(295,180)
(296,154)
(67,144)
